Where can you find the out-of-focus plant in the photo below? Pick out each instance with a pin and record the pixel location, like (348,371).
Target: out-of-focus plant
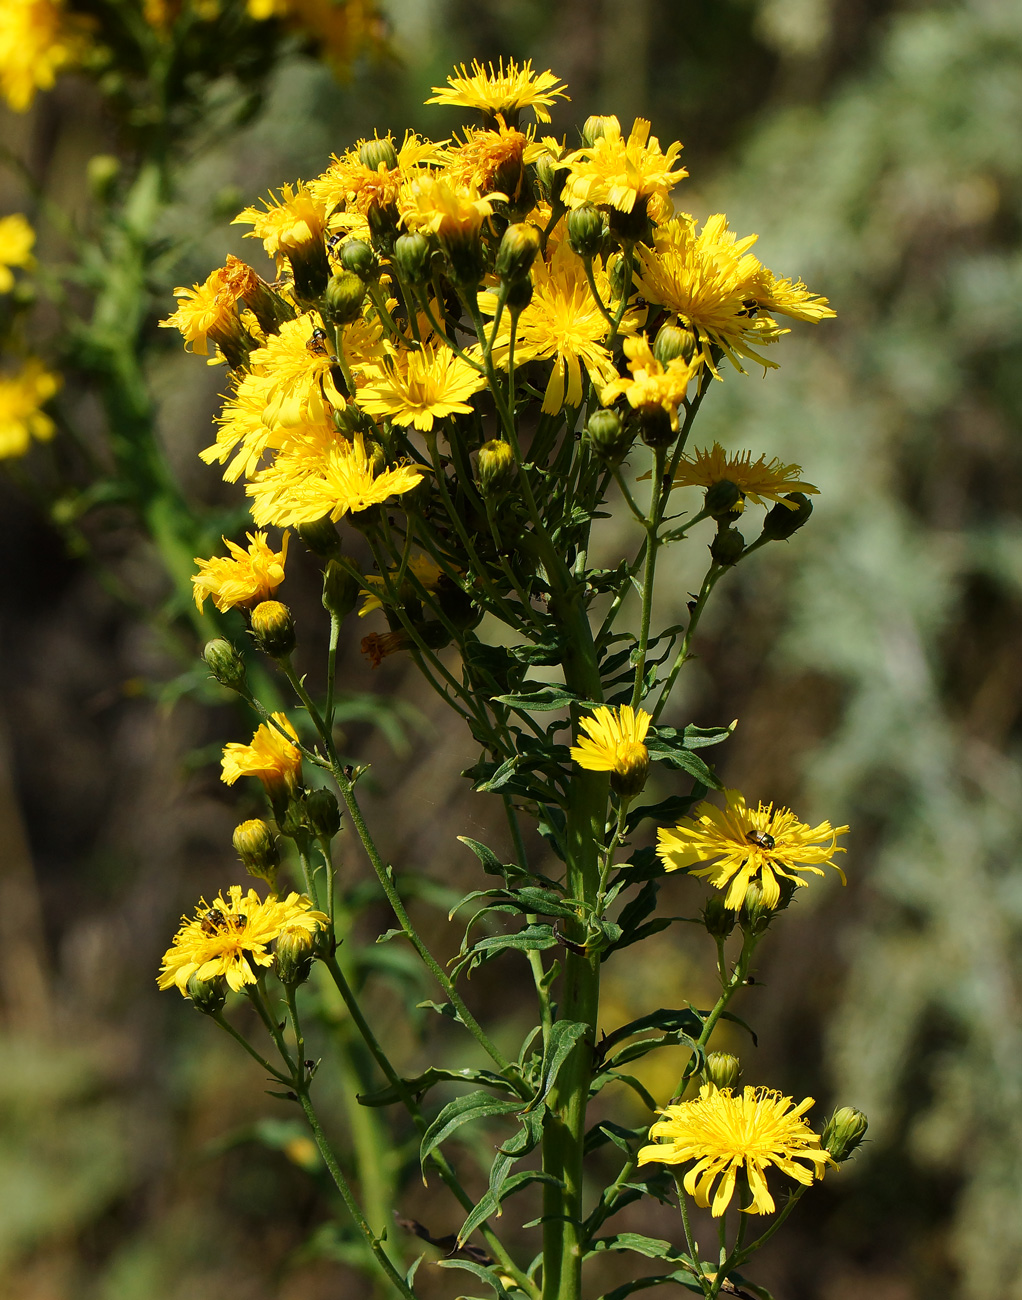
(462,345)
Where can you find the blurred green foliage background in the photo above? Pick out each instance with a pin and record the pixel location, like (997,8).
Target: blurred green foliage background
(874,664)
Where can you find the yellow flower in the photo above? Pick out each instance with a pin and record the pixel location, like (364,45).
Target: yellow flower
(420,387)
(562,323)
(230,937)
(271,757)
(725,1134)
(711,281)
(759,480)
(504,91)
(37,40)
(320,473)
(299,363)
(426,571)
(741,843)
(291,223)
(435,204)
(348,183)
(16,240)
(614,743)
(651,383)
(21,415)
(623,173)
(210,309)
(488,160)
(245,579)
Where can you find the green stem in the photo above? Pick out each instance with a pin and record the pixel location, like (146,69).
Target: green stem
(652,547)
(240,1038)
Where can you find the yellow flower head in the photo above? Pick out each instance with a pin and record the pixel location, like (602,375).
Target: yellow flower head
(741,843)
(652,384)
(623,173)
(16,240)
(426,571)
(433,203)
(37,40)
(488,159)
(21,415)
(245,579)
(562,323)
(271,757)
(292,223)
(614,743)
(320,473)
(350,184)
(501,91)
(725,1134)
(420,387)
(210,310)
(299,365)
(230,937)
(759,480)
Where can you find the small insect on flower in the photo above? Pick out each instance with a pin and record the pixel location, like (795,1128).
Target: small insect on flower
(214,921)
(762,839)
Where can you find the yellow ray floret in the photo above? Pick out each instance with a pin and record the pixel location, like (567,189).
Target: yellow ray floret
(38,39)
(501,90)
(348,183)
(420,387)
(758,480)
(613,739)
(727,1134)
(435,203)
(740,844)
(652,384)
(244,579)
(622,172)
(210,309)
(16,240)
(230,937)
(288,224)
(271,757)
(22,418)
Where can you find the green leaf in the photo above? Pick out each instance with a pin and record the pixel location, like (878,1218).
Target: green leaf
(665,1018)
(685,1279)
(421,1084)
(600,1081)
(607,1131)
(490,1275)
(534,938)
(461,1111)
(667,810)
(675,755)
(491,863)
(539,698)
(698,737)
(491,1203)
(564,1034)
(447,1009)
(650,1247)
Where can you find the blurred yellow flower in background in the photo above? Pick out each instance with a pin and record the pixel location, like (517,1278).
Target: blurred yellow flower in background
(22,418)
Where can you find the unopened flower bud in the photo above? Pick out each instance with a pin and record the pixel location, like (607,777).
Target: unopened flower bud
(610,436)
(517,252)
(631,768)
(383,219)
(722,1069)
(674,341)
(356,256)
(727,547)
(340,590)
(321,537)
(412,254)
(433,634)
(208,996)
(256,845)
(496,471)
(464,251)
(291,818)
(844,1132)
(782,520)
(323,813)
(621,278)
(226,665)
(755,916)
(655,426)
(587,229)
(295,950)
(546,176)
(718,919)
(342,300)
(273,629)
(519,295)
(720,499)
(596,127)
(375,154)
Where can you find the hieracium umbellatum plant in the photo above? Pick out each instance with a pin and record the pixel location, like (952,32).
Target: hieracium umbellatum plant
(463,357)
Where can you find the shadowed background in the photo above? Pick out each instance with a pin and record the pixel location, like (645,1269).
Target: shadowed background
(873,664)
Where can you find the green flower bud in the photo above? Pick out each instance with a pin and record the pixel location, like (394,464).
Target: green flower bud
(323,813)
(782,521)
(755,916)
(596,127)
(256,845)
(465,258)
(674,341)
(294,952)
(356,256)
(519,295)
(457,605)
(383,219)
(610,436)
(226,665)
(340,590)
(587,229)
(496,471)
(517,252)
(720,498)
(375,154)
(273,629)
(727,547)
(208,996)
(718,919)
(412,254)
(844,1132)
(343,298)
(291,818)
(321,537)
(546,176)
(722,1069)
(655,427)
(621,279)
